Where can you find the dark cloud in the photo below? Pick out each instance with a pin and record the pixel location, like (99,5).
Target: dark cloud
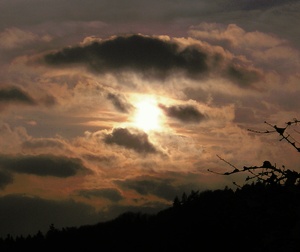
(39,214)
(184,113)
(108,193)
(24,215)
(257,4)
(5,179)
(167,185)
(15,95)
(152,57)
(119,102)
(148,55)
(43,165)
(242,76)
(152,207)
(49,100)
(138,141)
(162,188)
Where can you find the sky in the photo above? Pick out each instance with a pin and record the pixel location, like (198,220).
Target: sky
(115,106)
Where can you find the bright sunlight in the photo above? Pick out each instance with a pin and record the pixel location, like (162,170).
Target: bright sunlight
(148,115)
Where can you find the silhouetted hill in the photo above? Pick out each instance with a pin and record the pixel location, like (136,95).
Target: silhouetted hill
(256,217)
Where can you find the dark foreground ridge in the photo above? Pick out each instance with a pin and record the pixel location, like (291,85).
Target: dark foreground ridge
(254,217)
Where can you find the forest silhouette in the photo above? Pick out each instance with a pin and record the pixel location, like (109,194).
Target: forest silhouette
(261,215)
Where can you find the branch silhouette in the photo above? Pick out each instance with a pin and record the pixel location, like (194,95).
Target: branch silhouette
(282,131)
(268,173)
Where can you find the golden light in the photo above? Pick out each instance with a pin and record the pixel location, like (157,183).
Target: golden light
(148,115)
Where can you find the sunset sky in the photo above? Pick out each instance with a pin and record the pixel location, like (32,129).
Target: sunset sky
(109,106)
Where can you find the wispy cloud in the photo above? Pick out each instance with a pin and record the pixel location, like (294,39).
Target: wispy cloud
(14,38)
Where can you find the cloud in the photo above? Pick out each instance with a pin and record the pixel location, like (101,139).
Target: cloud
(11,138)
(12,38)
(265,49)
(15,95)
(108,193)
(96,158)
(249,5)
(243,76)
(156,58)
(234,37)
(148,55)
(5,179)
(42,143)
(43,165)
(39,214)
(119,102)
(204,80)
(48,100)
(183,113)
(137,141)
(166,185)
(150,185)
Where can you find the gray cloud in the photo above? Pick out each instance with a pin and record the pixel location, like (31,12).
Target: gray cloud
(148,55)
(119,102)
(43,165)
(257,4)
(6,178)
(138,141)
(32,214)
(167,186)
(15,95)
(288,100)
(170,17)
(49,100)
(108,193)
(112,11)
(210,62)
(183,113)
(152,57)
(242,76)
(20,12)
(149,185)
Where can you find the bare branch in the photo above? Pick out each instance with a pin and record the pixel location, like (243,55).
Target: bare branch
(282,131)
(268,173)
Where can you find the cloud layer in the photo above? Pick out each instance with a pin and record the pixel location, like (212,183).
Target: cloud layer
(73,77)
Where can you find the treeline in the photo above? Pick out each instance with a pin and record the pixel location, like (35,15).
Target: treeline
(255,217)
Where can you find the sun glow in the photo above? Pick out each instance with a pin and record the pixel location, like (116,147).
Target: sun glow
(148,115)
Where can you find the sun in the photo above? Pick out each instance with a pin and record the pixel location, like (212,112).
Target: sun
(148,115)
